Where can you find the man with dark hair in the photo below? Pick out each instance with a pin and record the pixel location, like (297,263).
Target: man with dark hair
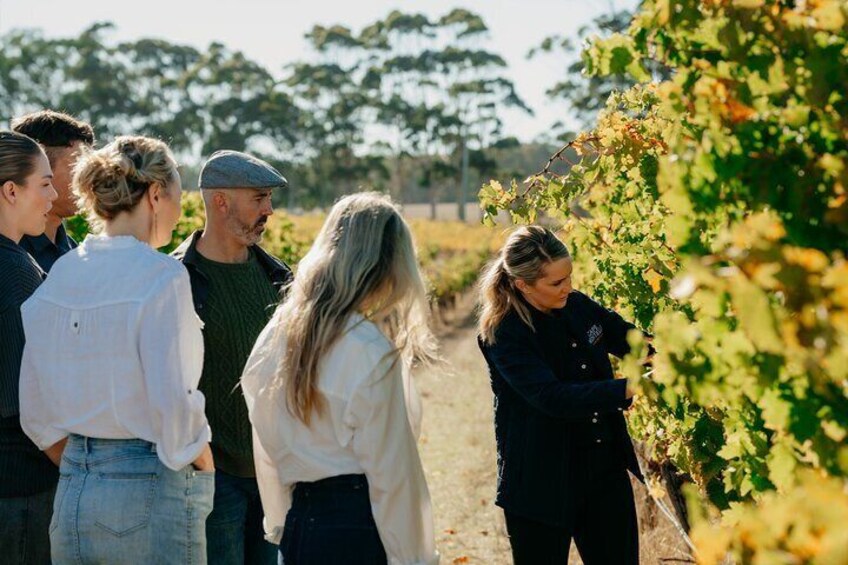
(61,136)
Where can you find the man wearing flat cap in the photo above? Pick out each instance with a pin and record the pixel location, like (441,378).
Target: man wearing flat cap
(236,285)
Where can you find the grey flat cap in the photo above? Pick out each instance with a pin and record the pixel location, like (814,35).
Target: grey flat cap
(233,169)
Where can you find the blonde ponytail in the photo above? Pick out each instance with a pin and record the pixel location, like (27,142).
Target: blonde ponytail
(523,257)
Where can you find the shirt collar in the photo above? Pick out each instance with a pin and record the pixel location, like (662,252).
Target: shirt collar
(41,242)
(105,242)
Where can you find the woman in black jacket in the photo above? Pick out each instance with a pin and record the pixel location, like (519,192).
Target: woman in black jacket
(563,446)
(27,476)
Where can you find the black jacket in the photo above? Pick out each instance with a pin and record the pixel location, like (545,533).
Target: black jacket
(278,272)
(555,392)
(24,469)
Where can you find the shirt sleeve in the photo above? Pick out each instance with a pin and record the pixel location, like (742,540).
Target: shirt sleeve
(276,497)
(259,370)
(384,444)
(171,352)
(35,408)
(517,358)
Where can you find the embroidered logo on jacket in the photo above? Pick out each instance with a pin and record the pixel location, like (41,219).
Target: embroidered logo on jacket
(595,334)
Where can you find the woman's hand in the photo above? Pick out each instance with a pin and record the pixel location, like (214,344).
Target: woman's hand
(54,452)
(204,461)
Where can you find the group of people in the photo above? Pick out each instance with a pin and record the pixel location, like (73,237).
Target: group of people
(212,406)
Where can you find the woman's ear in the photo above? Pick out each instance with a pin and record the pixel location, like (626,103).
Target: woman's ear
(154,194)
(522,286)
(9,191)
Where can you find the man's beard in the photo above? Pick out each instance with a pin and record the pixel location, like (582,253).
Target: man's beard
(250,234)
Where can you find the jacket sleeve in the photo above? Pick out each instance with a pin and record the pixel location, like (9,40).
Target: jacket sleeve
(385,446)
(171,351)
(517,358)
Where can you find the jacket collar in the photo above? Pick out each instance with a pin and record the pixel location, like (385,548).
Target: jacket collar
(7,243)
(188,254)
(42,242)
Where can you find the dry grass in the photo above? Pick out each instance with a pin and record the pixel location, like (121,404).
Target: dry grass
(458,451)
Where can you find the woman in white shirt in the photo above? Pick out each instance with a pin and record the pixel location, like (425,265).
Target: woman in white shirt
(110,369)
(334,413)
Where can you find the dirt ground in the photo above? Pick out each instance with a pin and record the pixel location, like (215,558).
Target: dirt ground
(458,452)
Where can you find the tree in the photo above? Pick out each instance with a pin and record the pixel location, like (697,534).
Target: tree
(439,90)
(197,102)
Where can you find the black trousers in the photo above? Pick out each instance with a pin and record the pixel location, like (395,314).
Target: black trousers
(330,523)
(602,524)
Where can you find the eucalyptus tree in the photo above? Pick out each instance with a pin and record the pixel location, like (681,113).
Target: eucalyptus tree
(66,73)
(397,72)
(587,94)
(334,108)
(239,104)
(196,101)
(476,88)
(435,90)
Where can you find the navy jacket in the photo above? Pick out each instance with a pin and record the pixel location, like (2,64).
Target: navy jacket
(555,393)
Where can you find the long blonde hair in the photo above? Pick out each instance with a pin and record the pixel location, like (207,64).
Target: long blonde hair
(527,250)
(362,260)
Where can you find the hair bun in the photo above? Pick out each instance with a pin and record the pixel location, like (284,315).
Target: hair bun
(113,179)
(131,159)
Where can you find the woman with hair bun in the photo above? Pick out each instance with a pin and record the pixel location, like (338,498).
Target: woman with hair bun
(111,366)
(563,446)
(27,476)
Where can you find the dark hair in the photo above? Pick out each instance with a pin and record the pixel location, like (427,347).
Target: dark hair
(54,129)
(17,156)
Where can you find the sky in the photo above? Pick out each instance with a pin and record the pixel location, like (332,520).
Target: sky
(271,32)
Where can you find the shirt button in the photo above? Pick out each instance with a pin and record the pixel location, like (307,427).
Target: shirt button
(594,420)
(598,440)
(573,344)
(595,414)
(583,366)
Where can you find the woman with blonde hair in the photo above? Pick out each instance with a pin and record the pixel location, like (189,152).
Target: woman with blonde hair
(110,369)
(334,412)
(27,477)
(563,447)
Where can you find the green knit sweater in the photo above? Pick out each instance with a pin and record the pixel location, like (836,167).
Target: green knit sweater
(241,301)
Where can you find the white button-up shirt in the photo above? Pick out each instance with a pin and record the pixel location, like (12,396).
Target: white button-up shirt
(369,425)
(114,350)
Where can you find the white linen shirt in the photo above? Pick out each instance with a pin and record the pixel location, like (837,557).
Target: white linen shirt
(114,350)
(369,425)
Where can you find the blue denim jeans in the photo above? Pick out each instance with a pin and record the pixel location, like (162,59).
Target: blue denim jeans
(234,531)
(331,523)
(23,535)
(117,503)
